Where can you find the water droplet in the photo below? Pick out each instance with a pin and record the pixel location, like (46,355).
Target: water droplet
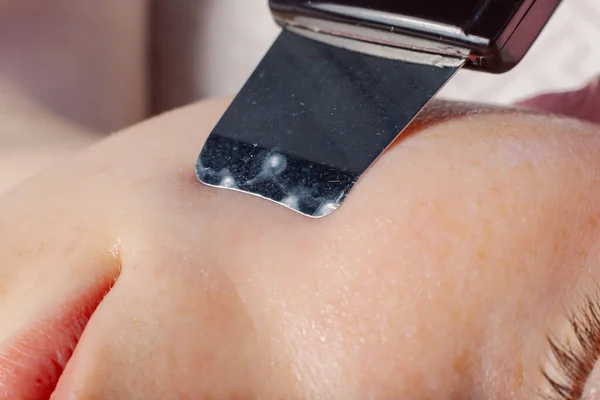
(291,202)
(274,164)
(228,182)
(326,209)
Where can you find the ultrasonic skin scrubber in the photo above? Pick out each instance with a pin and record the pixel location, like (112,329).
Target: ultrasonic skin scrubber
(343,80)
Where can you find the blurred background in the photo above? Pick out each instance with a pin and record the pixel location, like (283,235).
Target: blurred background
(221,41)
(100,66)
(73,72)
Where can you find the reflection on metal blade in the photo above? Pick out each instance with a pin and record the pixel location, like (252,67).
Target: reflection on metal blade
(313,117)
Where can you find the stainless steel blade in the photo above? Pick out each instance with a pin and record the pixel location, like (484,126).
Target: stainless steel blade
(314,116)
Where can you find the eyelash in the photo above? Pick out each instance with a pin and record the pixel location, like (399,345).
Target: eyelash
(575,363)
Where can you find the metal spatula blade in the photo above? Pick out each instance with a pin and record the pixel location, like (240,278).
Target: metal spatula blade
(315,115)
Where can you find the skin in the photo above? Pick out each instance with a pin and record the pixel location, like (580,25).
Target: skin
(440,277)
(455,256)
(583,103)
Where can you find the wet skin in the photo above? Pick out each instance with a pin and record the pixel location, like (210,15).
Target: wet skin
(439,278)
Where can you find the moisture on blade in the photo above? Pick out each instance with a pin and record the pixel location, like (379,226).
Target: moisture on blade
(311,120)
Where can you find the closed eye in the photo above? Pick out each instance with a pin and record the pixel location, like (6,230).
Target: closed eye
(573,361)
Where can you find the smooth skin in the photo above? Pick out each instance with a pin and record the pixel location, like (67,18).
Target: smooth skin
(455,256)
(440,277)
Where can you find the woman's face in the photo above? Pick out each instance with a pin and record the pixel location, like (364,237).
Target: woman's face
(468,245)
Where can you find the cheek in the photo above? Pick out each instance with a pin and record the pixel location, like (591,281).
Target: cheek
(355,311)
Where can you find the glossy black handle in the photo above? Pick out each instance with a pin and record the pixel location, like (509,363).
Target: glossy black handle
(484,18)
(497,33)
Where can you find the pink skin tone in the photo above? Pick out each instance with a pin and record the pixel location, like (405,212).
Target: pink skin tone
(440,277)
(583,104)
(221,295)
(33,362)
